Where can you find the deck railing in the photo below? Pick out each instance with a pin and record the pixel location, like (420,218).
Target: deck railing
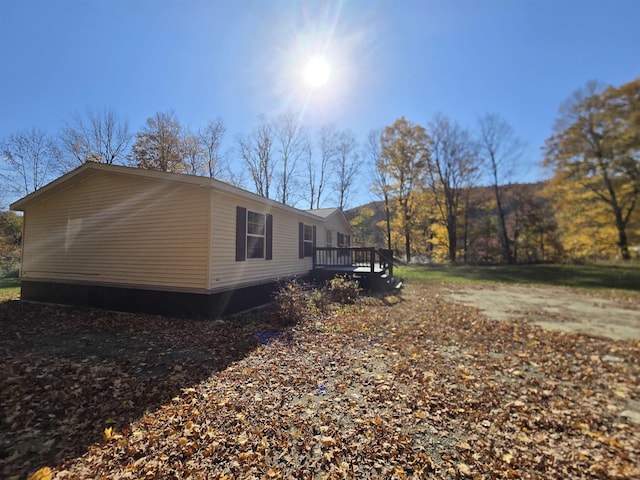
(374,259)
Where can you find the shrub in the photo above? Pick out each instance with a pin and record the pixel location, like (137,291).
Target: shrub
(343,289)
(295,301)
(9,260)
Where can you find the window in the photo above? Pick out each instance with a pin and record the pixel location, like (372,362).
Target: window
(255,235)
(343,240)
(329,238)
(308,241)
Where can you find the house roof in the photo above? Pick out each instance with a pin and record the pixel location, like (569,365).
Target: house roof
(324,212)
(327,213)
(91,168)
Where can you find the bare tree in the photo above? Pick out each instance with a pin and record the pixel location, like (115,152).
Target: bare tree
(194,154)
(28,159)
(500,150)
(99,137)
(452,166)
(347,163)
(328,149)
(159,146)
(381,186)
(236,178)
(257,150)
(210,138)
(312,174)
(292,147)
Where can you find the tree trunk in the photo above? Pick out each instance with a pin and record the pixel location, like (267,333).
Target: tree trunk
(453,237)
(407,235)
(502,226)
(407,246)
(387,211)
(623,243)
(465,233)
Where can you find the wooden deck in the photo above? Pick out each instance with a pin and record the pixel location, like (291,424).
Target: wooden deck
(374,267)
(377,268)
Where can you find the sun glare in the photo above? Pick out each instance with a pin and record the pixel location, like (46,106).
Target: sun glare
(317,72)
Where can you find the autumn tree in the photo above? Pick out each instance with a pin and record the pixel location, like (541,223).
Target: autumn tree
(450,169)
(10,228)
(28,160)
(10,241)
(159,146)
(584,226)
(257,151)
(404,152)
(597,144)
(364,222)
(345,168)
(101,136)
(500,150)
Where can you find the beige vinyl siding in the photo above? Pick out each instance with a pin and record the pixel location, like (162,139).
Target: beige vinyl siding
(120,229)
(335,223)
(227,272)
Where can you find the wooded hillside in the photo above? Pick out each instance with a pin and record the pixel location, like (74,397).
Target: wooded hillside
(543,226)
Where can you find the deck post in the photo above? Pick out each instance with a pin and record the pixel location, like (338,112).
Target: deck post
(372,259)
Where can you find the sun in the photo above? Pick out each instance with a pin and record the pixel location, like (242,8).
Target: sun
(317,72)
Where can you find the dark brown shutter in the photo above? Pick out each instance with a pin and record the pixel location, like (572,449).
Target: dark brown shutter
(300,240)
(241,234)
(269,238)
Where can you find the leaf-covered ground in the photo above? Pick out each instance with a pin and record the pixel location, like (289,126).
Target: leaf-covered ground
(400,387)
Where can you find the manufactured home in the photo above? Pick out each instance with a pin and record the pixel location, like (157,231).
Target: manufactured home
(138,240)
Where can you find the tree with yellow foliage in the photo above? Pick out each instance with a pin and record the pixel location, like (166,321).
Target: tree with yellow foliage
(404,153)
(596,147)
(583,221)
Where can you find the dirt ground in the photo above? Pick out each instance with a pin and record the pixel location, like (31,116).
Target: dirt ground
(555,308)
(563,309)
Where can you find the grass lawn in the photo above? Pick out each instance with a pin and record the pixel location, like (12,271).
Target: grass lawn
(9,289)
(623,277)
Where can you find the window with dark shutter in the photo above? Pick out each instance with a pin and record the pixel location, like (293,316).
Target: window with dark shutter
(254,235)
(308,241)
(256,230)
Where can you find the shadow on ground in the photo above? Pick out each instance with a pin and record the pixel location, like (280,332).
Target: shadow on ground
(70,373)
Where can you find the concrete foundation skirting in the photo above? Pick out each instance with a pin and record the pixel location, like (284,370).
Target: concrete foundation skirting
(135,300)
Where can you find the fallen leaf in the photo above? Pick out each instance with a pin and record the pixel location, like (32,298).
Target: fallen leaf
(42,474)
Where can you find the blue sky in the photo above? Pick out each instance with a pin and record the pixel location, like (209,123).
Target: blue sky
(239,59)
